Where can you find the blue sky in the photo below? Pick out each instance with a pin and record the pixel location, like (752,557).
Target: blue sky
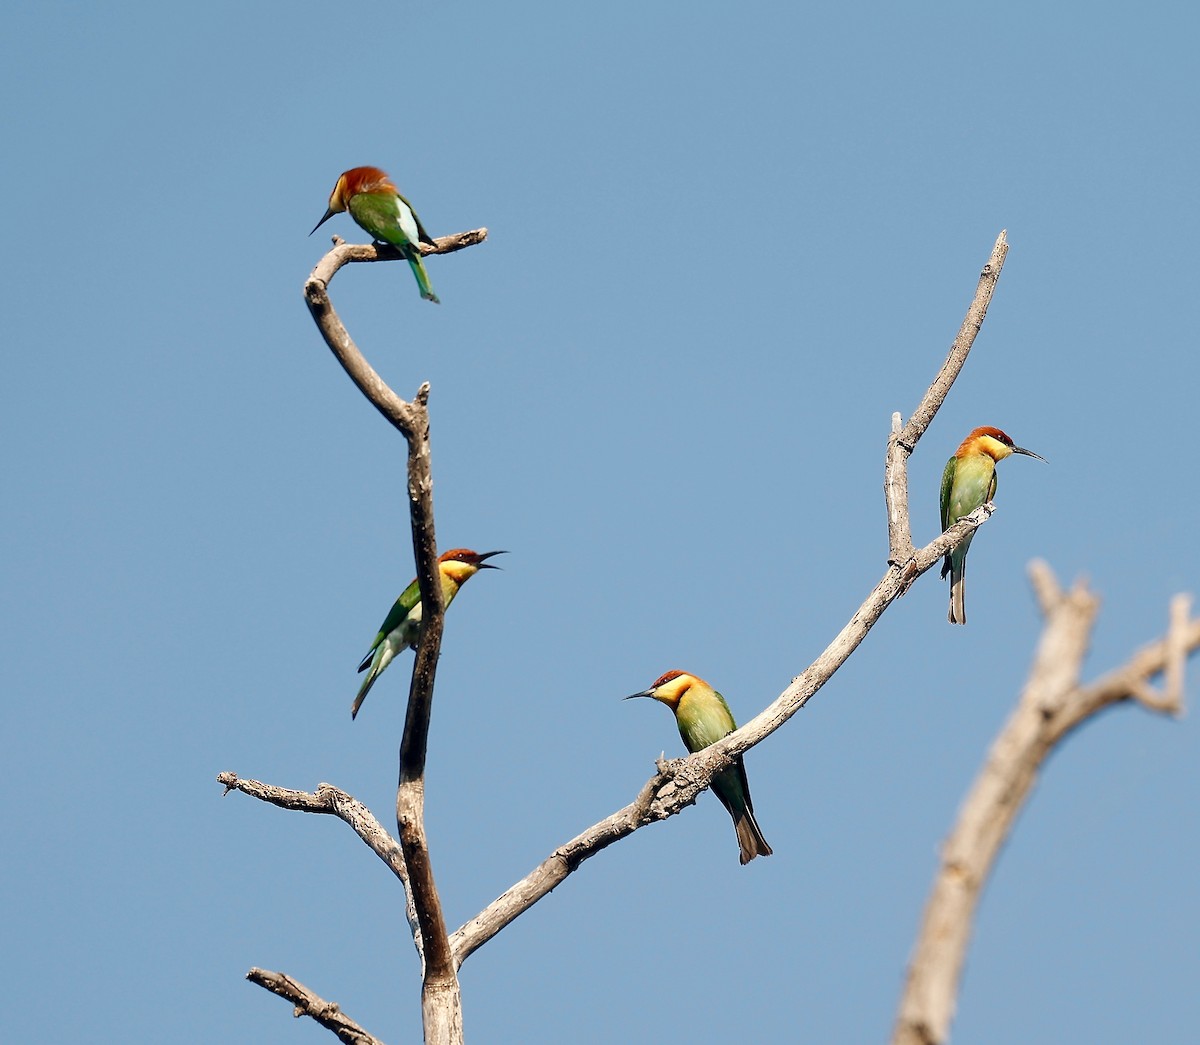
(725,244)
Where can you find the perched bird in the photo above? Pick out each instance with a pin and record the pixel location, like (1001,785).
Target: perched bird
(969,481)
(402,627)
(377,206)
(704,718)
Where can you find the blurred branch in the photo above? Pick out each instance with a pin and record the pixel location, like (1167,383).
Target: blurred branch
(335,802)
(326,1013)
(1131,681)
(679,782)
(1051,706)
(441,999)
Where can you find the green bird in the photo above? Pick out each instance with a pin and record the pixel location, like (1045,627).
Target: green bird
(968,482)
(401,628)
(703,718)
(379,209)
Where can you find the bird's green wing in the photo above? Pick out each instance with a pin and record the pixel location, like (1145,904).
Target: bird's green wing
(947,486)
(379,214)
(974,482)
(421,233)
(728,715)
(399,611)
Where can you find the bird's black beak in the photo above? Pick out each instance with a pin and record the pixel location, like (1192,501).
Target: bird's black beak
(644,693)
(1028,453)
(487,555)
(328,214)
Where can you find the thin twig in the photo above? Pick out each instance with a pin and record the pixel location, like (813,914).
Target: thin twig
(333,801)
(306,1003)
(344,253)
(903,441)
(1046,588)
(931,402)
(1176,651)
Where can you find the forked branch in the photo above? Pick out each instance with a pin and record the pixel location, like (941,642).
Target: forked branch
(335,802)
(904,439)
(679,782)
(1052,705)
(441,1003)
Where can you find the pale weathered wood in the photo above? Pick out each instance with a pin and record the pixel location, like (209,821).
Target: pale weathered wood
(903,441)
(441,996)
(335,802)
(306,1003)
(1052,705)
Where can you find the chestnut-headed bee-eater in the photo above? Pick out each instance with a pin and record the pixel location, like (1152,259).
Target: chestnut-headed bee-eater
(378,208)
(968,482)
(704,718)
(402,626)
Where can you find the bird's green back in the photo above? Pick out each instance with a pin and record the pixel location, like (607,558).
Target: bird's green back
(379,214)
(386,217)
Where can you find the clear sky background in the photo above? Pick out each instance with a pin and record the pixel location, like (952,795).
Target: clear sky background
(726,243)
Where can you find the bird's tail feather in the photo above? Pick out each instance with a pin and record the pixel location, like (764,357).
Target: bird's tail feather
(750,838)
(364,689)
(418,267)
(958,604)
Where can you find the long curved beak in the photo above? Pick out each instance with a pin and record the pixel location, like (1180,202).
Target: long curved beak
(644,693)
(328,214)
(1028,453)
(486,555)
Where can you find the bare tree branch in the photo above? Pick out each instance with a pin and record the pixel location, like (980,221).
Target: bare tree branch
(1132,680)
(1176,652)
(441,997)
(1046,588)
(556,867)
(679,782)
(903,441)
(1051,706)
(344,253)
(306,1003)
(333,801)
